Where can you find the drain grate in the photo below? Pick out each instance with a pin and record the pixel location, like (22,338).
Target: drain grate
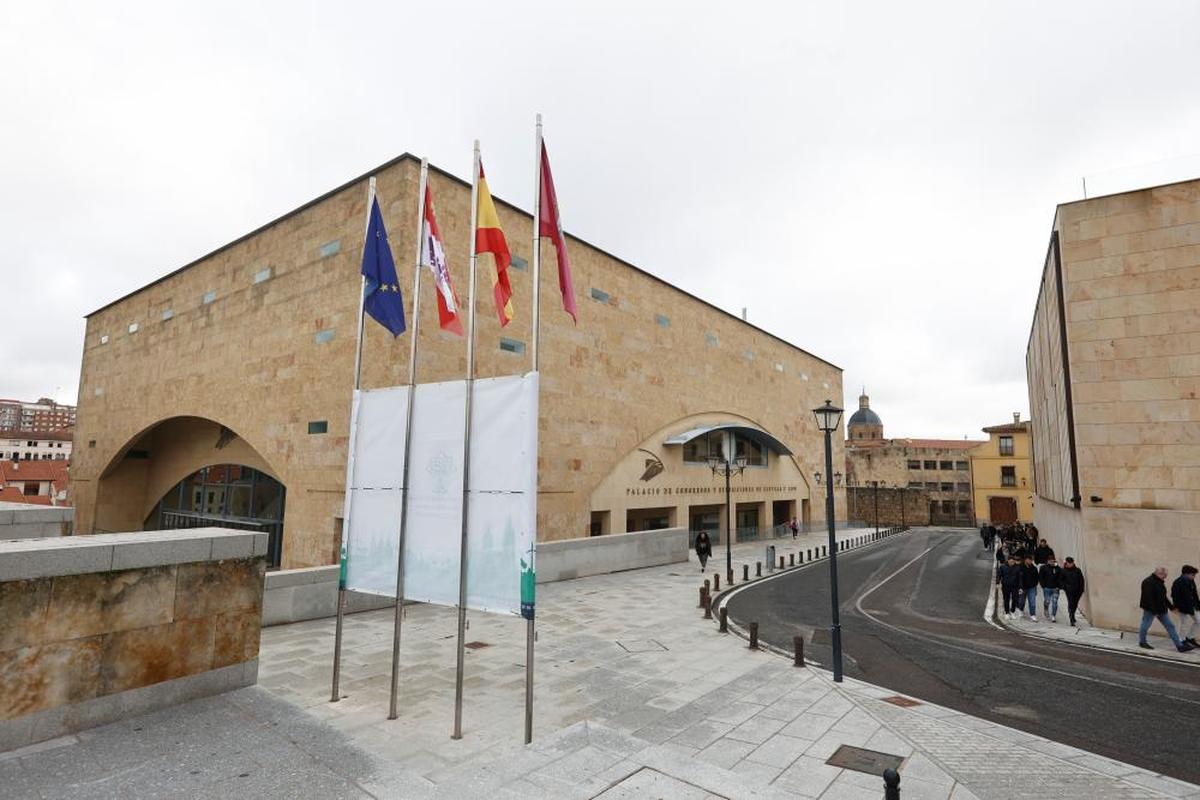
(903,702)
(859,759)
(476,645)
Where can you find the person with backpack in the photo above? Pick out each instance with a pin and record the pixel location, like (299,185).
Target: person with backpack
(1186,600)
(1070,580)
(1050,576)
(1155,605)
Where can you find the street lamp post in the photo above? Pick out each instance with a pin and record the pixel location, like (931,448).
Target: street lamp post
(829,419)
(727,462)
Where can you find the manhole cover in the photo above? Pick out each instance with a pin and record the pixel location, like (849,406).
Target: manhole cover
(858,759)
(903,702)
(475,645)
(640,645)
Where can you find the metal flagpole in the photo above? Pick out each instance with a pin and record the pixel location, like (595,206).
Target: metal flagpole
(412,398)
(462,552)
(530,632)
(334,695)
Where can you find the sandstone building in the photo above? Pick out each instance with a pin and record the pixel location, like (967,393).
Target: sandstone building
(220,393)
(937,467)
(1113,365)
(1000,475)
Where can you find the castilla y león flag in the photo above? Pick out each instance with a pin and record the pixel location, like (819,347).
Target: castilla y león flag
(490,239)
(550,224)
(434,256)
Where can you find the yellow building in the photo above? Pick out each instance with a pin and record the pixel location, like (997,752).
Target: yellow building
(1000,475)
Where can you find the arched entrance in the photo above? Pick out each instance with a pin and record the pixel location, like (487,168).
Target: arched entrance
(225,496)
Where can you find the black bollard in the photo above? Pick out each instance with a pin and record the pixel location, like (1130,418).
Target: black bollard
(716,581)
(809,554)
(745,572)
(891,784)
(729,576)
(781,562)
(753,635)
(798,646)
(791,559)
(824,550)
(703,595)
(724,620)
(758,569)
(707,608)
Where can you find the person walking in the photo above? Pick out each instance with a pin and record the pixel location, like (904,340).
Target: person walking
(1042,553)
(703,548)
(795,527)
(1155,605)
(1029,587)
(1186,600)
(1009,578)
(1049,576)
(1070,580)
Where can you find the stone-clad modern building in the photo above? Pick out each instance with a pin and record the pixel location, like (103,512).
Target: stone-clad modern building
(1113,364)
(220,393)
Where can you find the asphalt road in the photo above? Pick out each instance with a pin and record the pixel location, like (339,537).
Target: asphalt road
(912,620)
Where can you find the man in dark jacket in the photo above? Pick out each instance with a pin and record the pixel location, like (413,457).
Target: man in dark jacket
(1029,584)
(1155,605)
(1070,580)
(1048,577)
(1042,553)
(1186,600)
(1009,578)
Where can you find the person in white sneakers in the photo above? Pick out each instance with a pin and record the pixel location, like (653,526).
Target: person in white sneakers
(1049,576)
(1029,586)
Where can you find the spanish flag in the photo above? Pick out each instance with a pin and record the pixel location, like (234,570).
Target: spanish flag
(490,239)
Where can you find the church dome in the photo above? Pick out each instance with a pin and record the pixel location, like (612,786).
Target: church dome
(864,423)
(864,416)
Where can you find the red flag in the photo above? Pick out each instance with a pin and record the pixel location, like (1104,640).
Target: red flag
(550,224)
(434,256)
(490,239)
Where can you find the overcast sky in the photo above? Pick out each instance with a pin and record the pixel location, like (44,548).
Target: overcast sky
(874,181)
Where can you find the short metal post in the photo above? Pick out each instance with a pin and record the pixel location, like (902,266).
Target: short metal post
(703,595)
(716,581)
(707,608)
(891,784)
(791,559)
(706,589)
(824,550)
(753,635)
(781,562)
(724,620)
(729,577)
(758,569)
(798,647)
(809,552)
(745,572)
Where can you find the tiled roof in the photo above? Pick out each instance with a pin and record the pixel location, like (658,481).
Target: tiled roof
(930,444)
(40,470)
(12,494)
(1010,427)
(65,435)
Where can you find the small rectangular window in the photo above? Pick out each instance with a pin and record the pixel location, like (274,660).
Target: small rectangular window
(1008,476)
(91,442)
(167,314)
(99,391)
(662,320)
(262,275)
(961,466)
(748,355)
(518,263)
(319,426)
(930,465)
(947,487)
(778,367)
(931,485)
(599,294)
(331,248)
(323,337)
(133,327)
(914,463)
(963,487)
(512,346)
(947,506)
(1006,445)
(915,485)
(712,340)
(946,465)
(209,297)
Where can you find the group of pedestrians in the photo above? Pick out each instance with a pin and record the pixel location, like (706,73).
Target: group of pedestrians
(1183,601)
(1020,574)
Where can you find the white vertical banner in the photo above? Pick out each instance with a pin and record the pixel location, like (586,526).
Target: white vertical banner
(503,497)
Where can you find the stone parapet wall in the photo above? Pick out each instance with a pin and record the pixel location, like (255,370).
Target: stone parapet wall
(860,502)
(596,555)
(21,521)
(96,628)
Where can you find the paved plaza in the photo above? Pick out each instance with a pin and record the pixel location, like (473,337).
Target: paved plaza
(637,696)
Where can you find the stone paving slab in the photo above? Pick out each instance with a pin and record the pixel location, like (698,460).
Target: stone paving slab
(702,717)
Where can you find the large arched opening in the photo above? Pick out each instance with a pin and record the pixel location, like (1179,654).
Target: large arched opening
(191,472)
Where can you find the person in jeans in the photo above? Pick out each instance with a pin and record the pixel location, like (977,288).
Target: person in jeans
(1186,600)
(1009,578)
(1029,587)
(1070,580)
(1048,576)
(1155,605)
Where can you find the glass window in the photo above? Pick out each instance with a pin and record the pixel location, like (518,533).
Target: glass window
(930,465)
(331,248)
(599,294)
(1008,476)
(961,465)
(662,320)
(209,297)
(512,346)
(963,487)
(167,314)
(1006,445)
(947,487)
(931,485)
(262,275)
(914,463)
(947,506)
(945,465)
(754,453)
(964,507)
(518,263)
(318,426)
(915,485)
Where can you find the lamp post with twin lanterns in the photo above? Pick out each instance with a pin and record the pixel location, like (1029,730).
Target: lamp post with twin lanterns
(829,419)
(726,463)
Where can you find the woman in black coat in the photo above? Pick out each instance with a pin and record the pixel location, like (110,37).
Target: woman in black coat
(703,548)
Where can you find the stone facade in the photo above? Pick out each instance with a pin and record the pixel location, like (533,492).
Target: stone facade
(89,626)
(888,507)
(1113,382)
(247,356)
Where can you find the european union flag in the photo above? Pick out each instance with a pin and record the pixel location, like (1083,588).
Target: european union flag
(383,299)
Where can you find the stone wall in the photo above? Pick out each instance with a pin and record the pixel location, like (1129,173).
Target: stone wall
(914,511)
(596,555)
(21,521)
(294,595)
(102,627)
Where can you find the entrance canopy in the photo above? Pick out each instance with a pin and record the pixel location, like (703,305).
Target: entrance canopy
(755,435)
